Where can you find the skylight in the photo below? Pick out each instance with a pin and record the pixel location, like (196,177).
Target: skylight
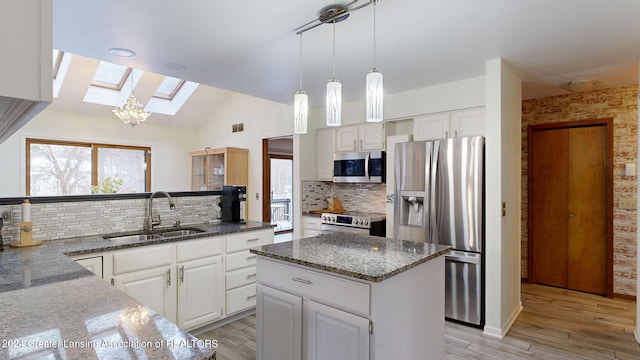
(57,60)
(169,88)
(110,76)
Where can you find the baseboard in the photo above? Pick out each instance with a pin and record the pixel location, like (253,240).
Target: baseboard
(502,332)
(222,322)
(624,297)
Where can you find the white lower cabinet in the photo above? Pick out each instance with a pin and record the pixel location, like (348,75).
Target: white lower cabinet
(282,312)
(93,264)
(291,298)
(200,292)
(154,288)
(334,334)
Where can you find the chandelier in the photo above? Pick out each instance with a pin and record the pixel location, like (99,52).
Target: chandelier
(132,112)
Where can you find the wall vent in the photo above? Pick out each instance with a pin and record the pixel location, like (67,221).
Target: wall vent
(237,127)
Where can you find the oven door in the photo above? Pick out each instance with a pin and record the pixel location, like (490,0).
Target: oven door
(327,228)
(351,167)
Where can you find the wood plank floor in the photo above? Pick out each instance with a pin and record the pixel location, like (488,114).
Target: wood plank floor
(554,324)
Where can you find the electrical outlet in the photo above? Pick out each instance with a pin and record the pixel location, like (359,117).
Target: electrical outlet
(630,203)
(7,216)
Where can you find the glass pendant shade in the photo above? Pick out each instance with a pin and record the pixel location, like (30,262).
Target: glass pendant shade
(300,110)
(334,103)
(374,96)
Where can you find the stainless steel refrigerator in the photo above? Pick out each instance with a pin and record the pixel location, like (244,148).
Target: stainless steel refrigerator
(439,198)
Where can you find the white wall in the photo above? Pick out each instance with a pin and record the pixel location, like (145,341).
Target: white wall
(262,119)
(503,181)
(169,147)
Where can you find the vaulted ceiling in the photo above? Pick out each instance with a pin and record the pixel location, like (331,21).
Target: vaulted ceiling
(252,47)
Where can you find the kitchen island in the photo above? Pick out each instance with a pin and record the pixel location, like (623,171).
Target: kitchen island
(347,296)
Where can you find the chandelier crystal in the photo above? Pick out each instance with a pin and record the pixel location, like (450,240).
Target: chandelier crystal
(132,112)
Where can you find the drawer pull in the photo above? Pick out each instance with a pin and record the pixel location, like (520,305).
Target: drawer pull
(252,240)
(307,282)
(251,276)
(251,297)
(252,257)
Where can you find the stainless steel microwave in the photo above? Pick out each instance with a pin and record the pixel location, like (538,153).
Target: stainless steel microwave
(359,167)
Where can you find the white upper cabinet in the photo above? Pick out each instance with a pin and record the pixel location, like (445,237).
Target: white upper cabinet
(364,137)
(461,123)
(26,75)
(325,142)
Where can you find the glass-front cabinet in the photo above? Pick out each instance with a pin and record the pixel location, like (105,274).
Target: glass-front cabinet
(213,168)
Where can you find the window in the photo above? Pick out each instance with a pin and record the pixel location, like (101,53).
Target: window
(168,88)
(110,76)
(76,168)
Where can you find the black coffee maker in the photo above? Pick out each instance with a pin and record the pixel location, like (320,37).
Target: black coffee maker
(233,204)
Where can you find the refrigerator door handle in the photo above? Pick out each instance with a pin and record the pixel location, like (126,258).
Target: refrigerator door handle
(433,221)
(462,258)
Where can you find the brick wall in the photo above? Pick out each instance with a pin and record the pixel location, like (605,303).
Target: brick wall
(621,104)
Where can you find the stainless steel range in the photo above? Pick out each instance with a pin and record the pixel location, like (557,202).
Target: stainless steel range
(358,223)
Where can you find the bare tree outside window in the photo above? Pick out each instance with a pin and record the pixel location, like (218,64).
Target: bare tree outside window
(60,170)
(65,168)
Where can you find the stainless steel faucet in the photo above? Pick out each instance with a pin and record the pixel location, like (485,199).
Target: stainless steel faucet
(149,222)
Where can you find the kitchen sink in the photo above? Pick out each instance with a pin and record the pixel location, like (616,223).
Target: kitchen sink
(182,232)
(156,234)
(133,238)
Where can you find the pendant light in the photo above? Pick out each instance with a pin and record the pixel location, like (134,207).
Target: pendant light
(374,82)
(132,112)
(334,92)
(300,104)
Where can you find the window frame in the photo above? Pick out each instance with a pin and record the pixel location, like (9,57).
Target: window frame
(94,158)
(172,94)
(111,86)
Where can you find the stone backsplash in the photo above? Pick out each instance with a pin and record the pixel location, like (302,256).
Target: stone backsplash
(369,198)
(70,219)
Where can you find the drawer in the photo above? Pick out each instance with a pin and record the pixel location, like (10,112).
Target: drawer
(199,248)
(145,257)
(309,233)
(240,259)
(311,222)
(330,290)
(247,240)
(240,299)
(241,277)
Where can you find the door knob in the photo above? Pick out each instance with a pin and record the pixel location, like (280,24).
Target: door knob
(570,216)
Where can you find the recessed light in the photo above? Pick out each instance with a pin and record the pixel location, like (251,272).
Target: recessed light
(175,66)
(126,53)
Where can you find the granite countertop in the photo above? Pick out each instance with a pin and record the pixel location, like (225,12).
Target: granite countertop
(363,257)
(55,307)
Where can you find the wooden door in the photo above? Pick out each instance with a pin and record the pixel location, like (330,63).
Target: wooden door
(569,206)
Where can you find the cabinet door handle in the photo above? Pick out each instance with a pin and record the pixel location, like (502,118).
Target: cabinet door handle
(251,297)
(446,133)
(360,144)
(182,274)
(455,132)
(251,276)
(252,257)
(169,277)
(304,281)
(355,145)
(252,240)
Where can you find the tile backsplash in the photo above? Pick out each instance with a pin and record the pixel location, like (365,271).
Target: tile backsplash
(370,198)
(82,218)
